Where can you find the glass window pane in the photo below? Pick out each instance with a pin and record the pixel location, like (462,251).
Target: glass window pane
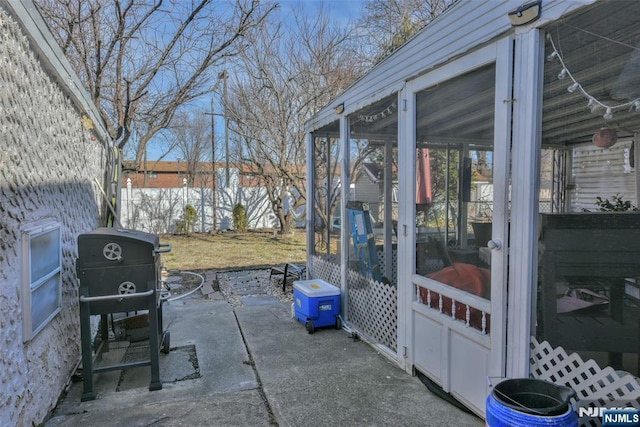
(44,301)
(45,254)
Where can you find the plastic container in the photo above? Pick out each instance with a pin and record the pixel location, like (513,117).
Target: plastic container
(530,403)
(317,304)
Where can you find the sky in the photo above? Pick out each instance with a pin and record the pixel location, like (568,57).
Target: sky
(342,11)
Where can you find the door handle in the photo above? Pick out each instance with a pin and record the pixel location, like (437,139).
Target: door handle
(494,244)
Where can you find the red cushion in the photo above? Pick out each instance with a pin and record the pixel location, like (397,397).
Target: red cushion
(466,277)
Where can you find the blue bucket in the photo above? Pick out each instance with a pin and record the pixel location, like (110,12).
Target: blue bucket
(530,403)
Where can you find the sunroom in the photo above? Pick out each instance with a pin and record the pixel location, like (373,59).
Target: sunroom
(494,247)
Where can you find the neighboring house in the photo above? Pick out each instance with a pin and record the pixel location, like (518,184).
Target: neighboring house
(368,187)
(54,156)
(166,174)
(517,88)
(171,174)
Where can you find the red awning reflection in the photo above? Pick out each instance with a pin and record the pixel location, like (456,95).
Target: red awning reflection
(424,196)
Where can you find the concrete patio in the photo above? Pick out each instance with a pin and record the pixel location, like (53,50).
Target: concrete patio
(253,364)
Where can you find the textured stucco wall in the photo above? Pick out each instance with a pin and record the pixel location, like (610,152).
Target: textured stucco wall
(48,163)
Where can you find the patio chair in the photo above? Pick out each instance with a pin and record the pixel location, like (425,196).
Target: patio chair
(431,256)
(289,271)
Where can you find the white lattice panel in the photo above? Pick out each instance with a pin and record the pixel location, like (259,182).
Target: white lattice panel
(372,306)
(324,269)
(394,265)
(595,387)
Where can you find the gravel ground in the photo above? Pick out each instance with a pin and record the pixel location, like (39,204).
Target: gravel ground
(233,283)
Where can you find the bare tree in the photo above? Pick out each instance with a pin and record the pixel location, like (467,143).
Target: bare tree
(156,212)
(386,24)
(290,74)
(191,135)
(142,59)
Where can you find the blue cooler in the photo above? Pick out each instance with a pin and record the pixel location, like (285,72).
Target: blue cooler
(317,304)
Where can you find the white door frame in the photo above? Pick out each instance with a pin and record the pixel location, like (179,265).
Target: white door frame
(527,136)
(446,333)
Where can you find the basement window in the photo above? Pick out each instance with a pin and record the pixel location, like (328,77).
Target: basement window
(41,276)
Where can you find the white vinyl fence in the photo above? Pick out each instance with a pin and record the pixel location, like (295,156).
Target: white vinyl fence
(160,210)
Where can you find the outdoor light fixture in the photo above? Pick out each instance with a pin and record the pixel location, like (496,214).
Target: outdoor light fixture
(573,87)
(525,13)
(339,109)
(594,105)
(605,137)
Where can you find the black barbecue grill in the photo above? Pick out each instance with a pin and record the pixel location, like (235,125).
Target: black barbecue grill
(119,272)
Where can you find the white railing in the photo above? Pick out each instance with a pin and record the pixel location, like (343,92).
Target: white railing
(447,300)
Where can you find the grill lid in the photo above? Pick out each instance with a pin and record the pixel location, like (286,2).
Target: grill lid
(106,247)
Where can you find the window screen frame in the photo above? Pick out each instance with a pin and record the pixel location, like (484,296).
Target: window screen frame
(49,275)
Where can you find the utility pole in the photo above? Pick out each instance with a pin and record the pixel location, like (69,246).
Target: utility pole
(224,76)
(214,204)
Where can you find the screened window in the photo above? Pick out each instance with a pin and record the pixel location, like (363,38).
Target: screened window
(372,207)
(454,190)
(589,251)
(327,192)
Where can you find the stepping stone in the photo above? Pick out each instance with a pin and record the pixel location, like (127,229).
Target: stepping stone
(252,292)
(206,288)
(245,285)
(216,296)
(260,301)
(240,275)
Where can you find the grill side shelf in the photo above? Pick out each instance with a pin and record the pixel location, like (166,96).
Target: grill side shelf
(117,297)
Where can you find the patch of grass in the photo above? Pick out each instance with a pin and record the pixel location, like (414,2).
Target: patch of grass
(232,250)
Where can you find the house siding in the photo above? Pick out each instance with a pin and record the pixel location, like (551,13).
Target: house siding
(48,166)
(595,171)
(369,192)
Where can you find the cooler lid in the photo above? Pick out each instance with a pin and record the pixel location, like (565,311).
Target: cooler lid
(316,288)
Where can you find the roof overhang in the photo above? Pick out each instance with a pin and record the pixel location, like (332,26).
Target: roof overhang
(462,28)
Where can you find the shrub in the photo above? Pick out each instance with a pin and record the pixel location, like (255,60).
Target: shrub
(240,220)
(180,227)
(618,204)
(190,217)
